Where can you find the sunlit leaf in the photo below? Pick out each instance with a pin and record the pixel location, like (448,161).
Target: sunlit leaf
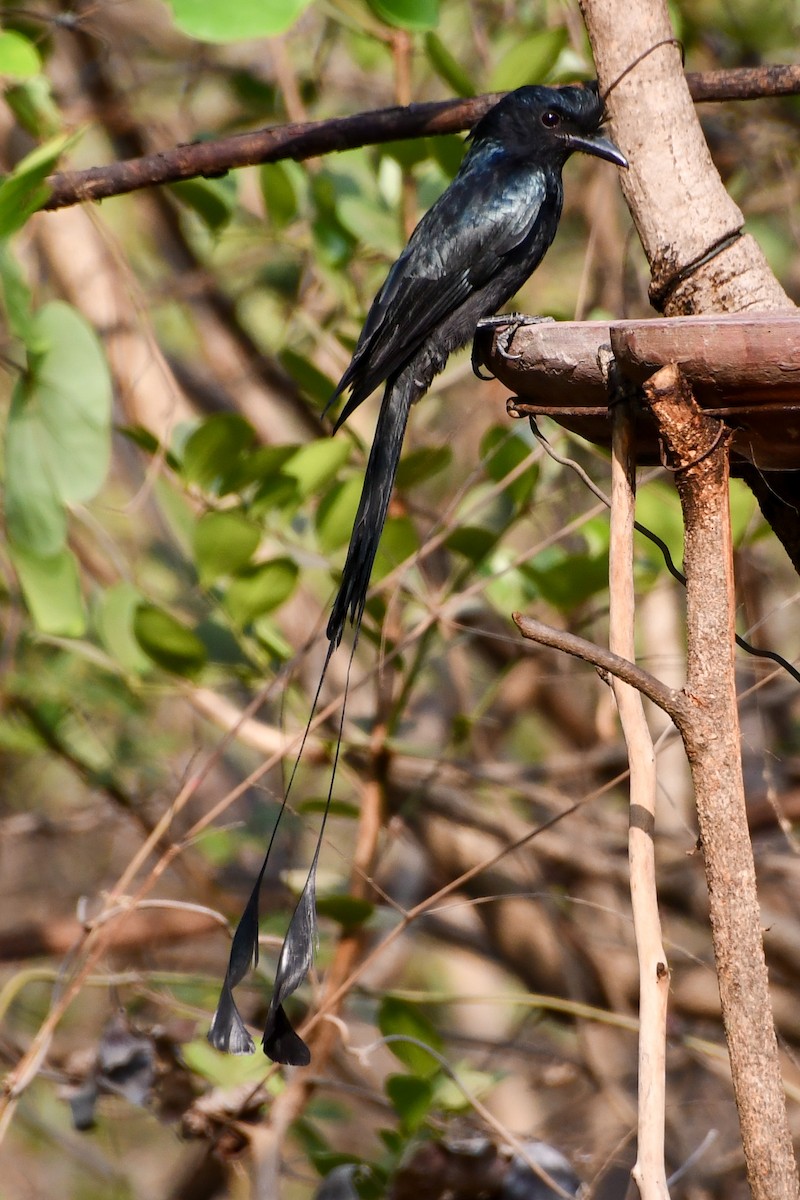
(221,21)
(316,463)
(335,514)
(58,435)
(19,58)
(114,615)
(51,587)
(530,60)
(260,589)
(407,14)
(24,191)
(398,542)
(224,542)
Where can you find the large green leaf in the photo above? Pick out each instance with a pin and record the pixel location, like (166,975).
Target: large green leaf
(52,591)
(58,435)
(221,21)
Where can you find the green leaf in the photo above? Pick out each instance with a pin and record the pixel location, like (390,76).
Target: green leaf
(213,200)
(114,615)
(422,464)
(17,300)
(24,191)
(336,513)
(260,589)
(473,541)
(167,641)
(224,542)
(501,452)
(313,381)
(347,911)
(32,103)
(58,435)
(316,463)
(51,587)
(399,1017)
(447,67)
(398,542)
(278,190)
(567,580)
(411,1099)
(19,58)
(221,21)
(529,61)
(407,14)
(371,223)
(215,447)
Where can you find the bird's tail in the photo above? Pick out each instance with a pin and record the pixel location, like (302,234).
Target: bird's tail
(400,393)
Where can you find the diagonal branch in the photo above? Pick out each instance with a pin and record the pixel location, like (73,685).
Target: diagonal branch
(673,702)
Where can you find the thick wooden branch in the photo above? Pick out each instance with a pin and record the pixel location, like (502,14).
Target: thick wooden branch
(709,726)
(306,140)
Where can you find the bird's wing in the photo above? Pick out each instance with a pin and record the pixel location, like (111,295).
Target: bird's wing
(460,244)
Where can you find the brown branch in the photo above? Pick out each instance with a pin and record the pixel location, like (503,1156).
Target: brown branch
(709,726)
(305,140)
(673,703)
(649,1170)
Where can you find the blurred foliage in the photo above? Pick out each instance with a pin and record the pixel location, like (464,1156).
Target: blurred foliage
(176,517)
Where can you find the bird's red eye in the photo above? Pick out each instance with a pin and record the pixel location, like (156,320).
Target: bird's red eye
(550,119)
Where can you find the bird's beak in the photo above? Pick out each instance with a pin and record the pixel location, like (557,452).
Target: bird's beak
(599,146)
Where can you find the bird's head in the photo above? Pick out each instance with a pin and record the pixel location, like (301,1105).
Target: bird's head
(548,123)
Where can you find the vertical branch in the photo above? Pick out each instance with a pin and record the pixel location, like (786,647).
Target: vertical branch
(649,1170)
(697,453)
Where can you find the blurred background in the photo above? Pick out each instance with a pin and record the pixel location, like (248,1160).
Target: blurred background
(187,597)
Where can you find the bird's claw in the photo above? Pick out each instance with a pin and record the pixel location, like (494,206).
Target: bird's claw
(477,364)
(510,323)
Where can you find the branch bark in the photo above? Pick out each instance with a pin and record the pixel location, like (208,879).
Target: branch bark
(689,226)
(649,1170)
(305,140)
(710,731)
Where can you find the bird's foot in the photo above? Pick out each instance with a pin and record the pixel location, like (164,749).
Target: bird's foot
(510,323)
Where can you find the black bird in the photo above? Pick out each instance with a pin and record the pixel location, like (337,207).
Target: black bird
(467,257)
